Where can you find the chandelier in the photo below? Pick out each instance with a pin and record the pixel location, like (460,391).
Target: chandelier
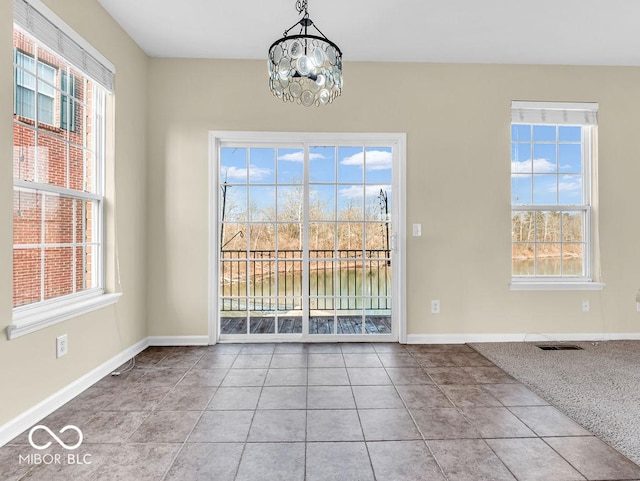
(305,68)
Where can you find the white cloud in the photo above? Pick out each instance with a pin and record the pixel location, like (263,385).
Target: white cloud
(299,156)
(540,166)
(569,183)
(355,191)
(236,173)
(376,159)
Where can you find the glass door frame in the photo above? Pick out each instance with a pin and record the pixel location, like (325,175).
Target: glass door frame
(398,232)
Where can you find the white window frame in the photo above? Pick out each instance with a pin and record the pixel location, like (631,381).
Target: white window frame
(38,315)
(583,115)
(398,240)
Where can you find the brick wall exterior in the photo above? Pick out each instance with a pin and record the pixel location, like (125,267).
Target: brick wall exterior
(62,157)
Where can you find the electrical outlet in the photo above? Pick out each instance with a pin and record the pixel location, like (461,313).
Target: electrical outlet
(585,306)
(62,346)
(435,307)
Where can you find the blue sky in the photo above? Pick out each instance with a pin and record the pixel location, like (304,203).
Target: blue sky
(359,172)
(546,164)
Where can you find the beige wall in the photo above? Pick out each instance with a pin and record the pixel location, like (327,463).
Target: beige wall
(28,367)
(456,118)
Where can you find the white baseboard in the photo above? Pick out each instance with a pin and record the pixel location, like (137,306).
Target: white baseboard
(537,337)
(41,410)
(178,340)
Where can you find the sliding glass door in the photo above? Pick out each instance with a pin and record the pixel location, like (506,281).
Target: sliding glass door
(305,239)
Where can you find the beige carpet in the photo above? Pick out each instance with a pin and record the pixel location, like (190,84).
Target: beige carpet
(598,387)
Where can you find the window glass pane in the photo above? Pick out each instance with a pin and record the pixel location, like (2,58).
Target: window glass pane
(262,240)
(520,132)
(290,239)
(572,226)
(378,163)
(569,133)
(522,226)
(90,181)
(547,226)
(58,272)
(233,165)
(521,189)
(52,160)
(544,133)
(378,202)
(322,164)
(545,188)
(262,321)
(27,217)
(27,276)
(58,219)
(86,218)
(233,275)
(377,239)
(350,164)
(570,158)
(570,190)
(321,277)
(523,259)
(322,202)
(262,166)
(262,202)
(521,159)
(290,165)
(350,324)
(573,259)
(290,322)
(350,202)
(234,237)
(321,239)
(544,158)
(233,318)
(262,280)
(548,259)
(233,203)
(376,320)
(86,258)
(24,152)
(77,168)
(350,239)
(290,204)
(319,322)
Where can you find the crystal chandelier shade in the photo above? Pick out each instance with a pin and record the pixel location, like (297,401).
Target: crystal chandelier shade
(305,68)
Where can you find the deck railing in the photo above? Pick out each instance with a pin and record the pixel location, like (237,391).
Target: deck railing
(268,280)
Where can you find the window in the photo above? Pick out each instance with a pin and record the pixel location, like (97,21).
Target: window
(26,79)
(551,177)
(58,165)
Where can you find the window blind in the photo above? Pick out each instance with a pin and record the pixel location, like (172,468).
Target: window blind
(37,20)
(568,113)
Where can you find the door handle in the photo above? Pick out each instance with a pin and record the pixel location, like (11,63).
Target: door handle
(394,242)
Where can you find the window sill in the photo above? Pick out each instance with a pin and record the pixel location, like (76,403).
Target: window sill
(32,319)
(545,285)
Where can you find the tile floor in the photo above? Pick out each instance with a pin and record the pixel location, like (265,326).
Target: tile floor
(314,412)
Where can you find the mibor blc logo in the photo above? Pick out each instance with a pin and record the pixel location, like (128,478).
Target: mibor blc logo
(55,458)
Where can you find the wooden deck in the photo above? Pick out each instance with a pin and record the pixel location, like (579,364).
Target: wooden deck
(317,325)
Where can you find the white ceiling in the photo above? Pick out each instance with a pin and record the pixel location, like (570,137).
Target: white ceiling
(572,32)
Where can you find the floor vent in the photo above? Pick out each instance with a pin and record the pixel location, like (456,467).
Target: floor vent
(564,347)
